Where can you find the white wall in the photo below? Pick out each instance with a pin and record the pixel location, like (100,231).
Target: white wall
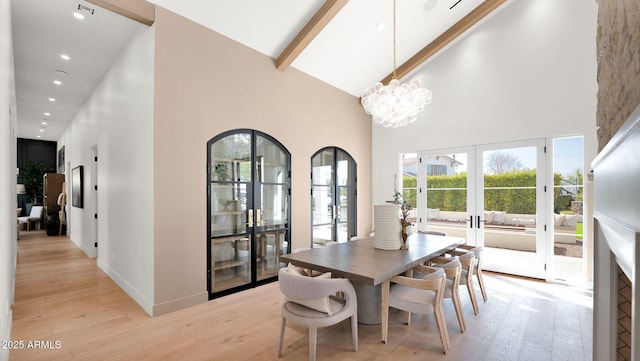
(118,118)
(8,246)
(528,72)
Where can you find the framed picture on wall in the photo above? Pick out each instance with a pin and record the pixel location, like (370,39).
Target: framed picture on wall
(77,197)
(61,160)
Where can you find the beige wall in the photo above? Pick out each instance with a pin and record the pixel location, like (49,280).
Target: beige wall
(618,65)
(207,84)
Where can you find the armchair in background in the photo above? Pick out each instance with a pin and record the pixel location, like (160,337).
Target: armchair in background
(34,216)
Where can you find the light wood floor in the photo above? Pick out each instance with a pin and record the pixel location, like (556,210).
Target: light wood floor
(62,296)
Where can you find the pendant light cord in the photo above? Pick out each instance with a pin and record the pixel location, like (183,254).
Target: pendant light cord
(394,39)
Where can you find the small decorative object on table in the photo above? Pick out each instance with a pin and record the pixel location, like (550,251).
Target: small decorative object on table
(405,223)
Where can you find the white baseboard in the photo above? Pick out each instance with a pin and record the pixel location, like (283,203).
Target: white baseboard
(180,303)
(140,299)
(89,251)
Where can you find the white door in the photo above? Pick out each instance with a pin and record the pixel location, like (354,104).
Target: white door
(510,212)
(492,195)
(444,189)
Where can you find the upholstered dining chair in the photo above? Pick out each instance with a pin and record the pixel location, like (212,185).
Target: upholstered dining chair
(419,295)
(452,269)
(477,269)
(310,302)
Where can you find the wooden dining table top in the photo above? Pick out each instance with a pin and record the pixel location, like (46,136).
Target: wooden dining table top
(359,261)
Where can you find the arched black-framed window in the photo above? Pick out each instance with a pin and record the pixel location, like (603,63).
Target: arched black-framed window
(333,196)
(248,210)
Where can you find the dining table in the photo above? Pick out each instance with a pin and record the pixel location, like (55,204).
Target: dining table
(368,267)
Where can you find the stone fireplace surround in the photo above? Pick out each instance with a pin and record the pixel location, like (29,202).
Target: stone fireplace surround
(617,245)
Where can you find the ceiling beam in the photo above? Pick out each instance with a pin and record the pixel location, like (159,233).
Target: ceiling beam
(309,32)
(479,13)
(141,11)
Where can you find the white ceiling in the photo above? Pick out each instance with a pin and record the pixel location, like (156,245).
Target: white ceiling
(42,31)
(350,53)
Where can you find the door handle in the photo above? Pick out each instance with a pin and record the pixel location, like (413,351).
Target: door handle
(259,217)
(479,221)
(334,212)
(470,221)
(250,218)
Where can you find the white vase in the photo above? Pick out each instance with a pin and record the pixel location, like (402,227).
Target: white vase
(387,226)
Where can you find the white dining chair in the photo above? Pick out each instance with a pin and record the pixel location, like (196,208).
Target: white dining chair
(419,295)
(477,269)
(452,269)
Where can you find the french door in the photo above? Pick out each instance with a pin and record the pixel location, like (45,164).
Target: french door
(511,207)
(492,195)
(333,196)
(248,210)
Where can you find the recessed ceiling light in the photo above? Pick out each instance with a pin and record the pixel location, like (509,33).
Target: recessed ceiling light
(78,16)
(46,114)
(57,82)
(38,136)
(52,99)
(41,130)
(44,123)
(381,26)
(65,56)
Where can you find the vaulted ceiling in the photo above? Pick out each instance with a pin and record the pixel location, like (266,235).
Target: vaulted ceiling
(345,43)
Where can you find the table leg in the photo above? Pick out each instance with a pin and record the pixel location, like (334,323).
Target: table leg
(369,303)
(385,310)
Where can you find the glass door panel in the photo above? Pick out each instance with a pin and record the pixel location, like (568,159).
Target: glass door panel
(447,196)
(568,160)
(512,221)
(272,206)
(346,192)
(228,209)
(249,182)
(333,196)
(322,197)
(230,230)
